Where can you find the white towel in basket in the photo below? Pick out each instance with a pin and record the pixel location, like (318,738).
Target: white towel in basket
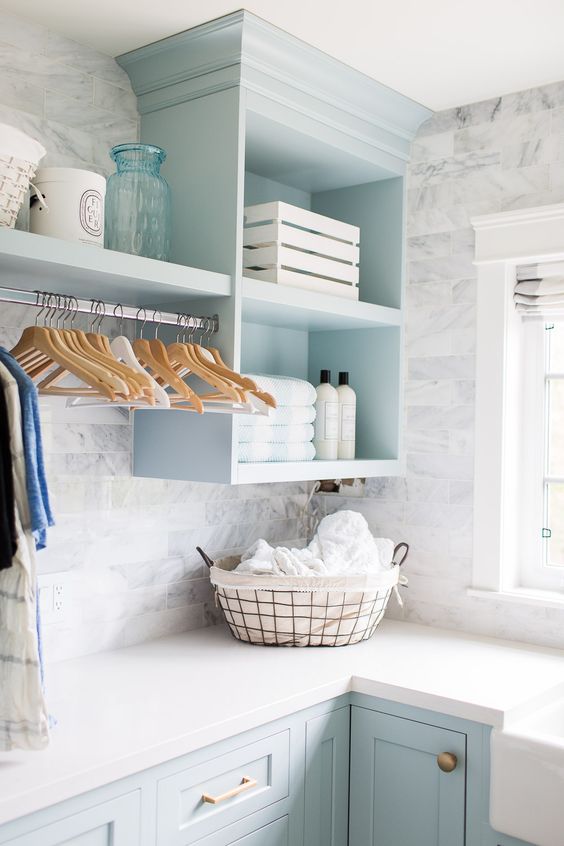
(343,545)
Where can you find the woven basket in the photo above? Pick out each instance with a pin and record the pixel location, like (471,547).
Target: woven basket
(302,611)
(15,176)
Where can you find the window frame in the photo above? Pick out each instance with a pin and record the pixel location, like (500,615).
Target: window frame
(501,511)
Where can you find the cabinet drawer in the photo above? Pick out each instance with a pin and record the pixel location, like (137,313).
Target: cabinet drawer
(113,823)
(273,834)
(241,782)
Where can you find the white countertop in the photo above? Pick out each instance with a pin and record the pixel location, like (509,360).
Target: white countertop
(123,711)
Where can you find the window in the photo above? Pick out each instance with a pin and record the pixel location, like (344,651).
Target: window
(541,551)
(519,460)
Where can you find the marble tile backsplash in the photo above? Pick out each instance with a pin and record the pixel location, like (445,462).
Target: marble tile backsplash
(77,102)
(505,153)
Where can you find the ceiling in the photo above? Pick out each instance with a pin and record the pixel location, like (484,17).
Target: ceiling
(441,53)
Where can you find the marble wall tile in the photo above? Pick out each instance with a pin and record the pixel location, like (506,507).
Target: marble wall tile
(429,246)
(427,440)
(85,59)
(493,135)
(486,111)
(461,165)
(113,98)
(429,294)
(442,367)
(442,268)
(428,392)
(428,147)
(430,417)
(461,493)
(88,117)
(427,490)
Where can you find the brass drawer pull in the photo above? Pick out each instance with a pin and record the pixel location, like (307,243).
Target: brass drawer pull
(246,784)
(447,762)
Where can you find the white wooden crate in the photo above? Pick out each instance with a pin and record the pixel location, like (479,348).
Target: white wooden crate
(293,246)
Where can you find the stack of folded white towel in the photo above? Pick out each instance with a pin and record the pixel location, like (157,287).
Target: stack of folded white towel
(287,433)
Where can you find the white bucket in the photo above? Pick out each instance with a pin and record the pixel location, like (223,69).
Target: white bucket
(74,205)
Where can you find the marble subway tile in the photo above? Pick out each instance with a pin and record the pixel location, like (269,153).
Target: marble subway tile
(85,59)
(461,493)
(533,100)
(190,592)
(430,417)
(428,246)
(162,623)
(438,170)
(429,294)
(464,392)
(425,321)
(114,98)
(237,511)
(462,116)
(461,442)
(88,117)
(387,487)
(17,91)
(442,367)
(427,440)
(442,268)
(87,438)
(492,136)
(464,291)
(437,515)
(23,34)
(535,151)
(160,571)
(90,464)
(429,147)
(460,467)
(429,343)
(427,490)
(463,341)
(427,392)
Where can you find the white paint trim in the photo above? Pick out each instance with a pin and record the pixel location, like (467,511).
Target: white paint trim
(521,596)
(503,241)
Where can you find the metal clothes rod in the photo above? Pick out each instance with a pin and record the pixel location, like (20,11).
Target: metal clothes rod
(144,314)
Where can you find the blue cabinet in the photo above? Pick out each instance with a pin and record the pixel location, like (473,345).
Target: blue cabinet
(112,823)
(398,792)
(327,779)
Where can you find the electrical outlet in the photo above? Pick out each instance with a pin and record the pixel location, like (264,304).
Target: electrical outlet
(53,590)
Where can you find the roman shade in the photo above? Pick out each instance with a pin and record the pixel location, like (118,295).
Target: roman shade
(539,289)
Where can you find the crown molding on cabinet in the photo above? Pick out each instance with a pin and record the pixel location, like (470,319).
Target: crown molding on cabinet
(242,49)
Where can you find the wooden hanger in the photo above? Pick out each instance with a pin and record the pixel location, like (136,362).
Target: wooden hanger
(154,355)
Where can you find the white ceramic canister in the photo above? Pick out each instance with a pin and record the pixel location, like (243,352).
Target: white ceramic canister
(74,205)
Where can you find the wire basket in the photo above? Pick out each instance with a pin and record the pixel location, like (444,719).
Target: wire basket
(303,611)
(15,176)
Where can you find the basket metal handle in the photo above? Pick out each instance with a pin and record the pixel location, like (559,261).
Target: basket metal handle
(206,557)
(400,547)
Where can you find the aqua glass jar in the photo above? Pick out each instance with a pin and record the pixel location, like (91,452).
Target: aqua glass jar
(138,214)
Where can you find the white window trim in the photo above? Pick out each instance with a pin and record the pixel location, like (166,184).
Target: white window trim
(503,241)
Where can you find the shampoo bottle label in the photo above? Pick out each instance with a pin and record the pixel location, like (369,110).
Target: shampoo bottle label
(348,421)
(331,421)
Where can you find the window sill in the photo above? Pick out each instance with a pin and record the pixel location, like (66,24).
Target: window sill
(521,596)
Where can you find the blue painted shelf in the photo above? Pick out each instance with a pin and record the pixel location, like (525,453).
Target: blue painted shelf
(29,261)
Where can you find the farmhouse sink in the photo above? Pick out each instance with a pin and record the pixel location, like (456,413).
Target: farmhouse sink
(527,777)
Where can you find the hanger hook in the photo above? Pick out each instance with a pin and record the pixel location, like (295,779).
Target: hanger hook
(61,308)
(120,318)
(38,295)
(93,313)
(139,310)
(157,323)
(102,316)
(52,305)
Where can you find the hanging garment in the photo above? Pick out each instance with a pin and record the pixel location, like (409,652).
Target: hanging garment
(36,483)
(23,712)
(8,538)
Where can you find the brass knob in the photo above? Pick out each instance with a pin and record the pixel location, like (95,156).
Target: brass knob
(447,762)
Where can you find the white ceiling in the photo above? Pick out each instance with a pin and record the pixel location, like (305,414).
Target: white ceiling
(440,52)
